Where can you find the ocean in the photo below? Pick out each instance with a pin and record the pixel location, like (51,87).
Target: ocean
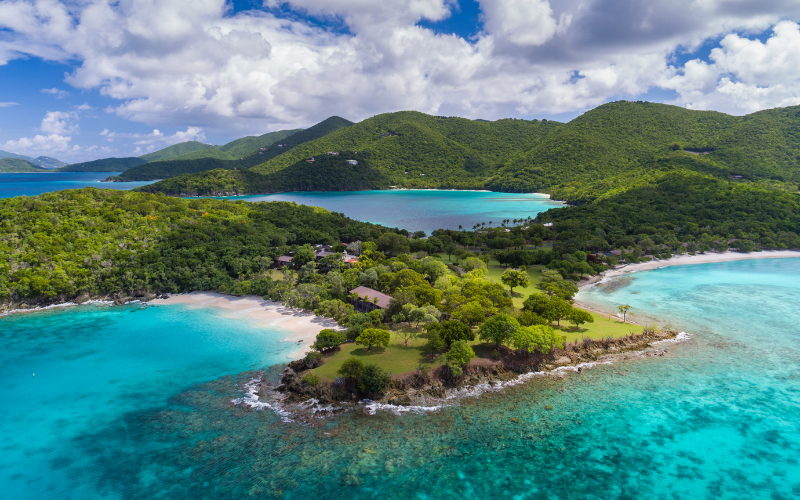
(135,403)
(12,185)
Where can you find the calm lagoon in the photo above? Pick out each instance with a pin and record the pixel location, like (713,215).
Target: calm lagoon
(423,209)
(134,403)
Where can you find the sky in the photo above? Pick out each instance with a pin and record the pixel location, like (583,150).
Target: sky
(88,79)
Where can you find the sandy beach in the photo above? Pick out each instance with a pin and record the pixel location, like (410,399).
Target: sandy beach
(682,260)
(300,327)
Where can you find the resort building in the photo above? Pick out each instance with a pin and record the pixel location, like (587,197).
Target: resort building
(369,299)
(283,260)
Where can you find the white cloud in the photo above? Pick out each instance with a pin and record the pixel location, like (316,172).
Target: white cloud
(58,93)
(744,75)
(8,104)
(179,62)
(84,107)
(60,122)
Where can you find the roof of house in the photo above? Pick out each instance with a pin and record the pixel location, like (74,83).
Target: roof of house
(323,253)
(284,258)
(370,294)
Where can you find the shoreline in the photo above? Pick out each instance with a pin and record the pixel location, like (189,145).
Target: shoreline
(302,326)
(682,260)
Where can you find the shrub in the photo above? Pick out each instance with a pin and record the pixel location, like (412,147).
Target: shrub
(328,339)
(352,368)
(313,359)
(374,379)
(311,379)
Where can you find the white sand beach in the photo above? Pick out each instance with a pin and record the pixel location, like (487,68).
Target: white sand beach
(681,260)
(301,327)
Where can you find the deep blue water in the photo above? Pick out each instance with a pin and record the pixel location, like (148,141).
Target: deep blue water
(423,209)
(37,183)
(129,403)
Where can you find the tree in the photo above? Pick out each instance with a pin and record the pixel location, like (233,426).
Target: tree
(579,317)
(460,353)
(472,313)
(434,344)
(302,256)
(560,309)
(623,310)
(515,277)
(392,244)
(528,318)
(539,338)
(328,339)
(373,379)
(452,331)
(498,329)
(450,249)
(352,368)
(407,335)
(373,337)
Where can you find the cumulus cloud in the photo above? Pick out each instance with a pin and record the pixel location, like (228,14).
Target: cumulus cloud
(179,62)
(60,122)
(58,93)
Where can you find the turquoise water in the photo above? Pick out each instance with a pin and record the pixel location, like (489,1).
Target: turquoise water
(37,183)
(423,209)
(96,366)
(125,408)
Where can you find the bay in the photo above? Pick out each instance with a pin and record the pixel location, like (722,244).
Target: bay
(32,184)
(423,209)
(714,417)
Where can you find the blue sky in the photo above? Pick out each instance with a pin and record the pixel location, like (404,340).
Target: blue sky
(97,79)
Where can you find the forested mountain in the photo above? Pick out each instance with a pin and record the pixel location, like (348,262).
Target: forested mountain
(607,150)
(620,142)
(105,165)
(19,166)
(251,144)
(407,149)
(41,161)
(263,147)
(176,150)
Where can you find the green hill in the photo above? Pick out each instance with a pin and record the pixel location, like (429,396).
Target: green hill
(41,161)
(321,129)
(249,145)
(618,142)
(15,165)
(264,146)
(176,150)
(105,165)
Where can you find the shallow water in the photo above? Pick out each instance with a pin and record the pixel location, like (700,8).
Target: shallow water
(716,417)
(423,209)
(33,184)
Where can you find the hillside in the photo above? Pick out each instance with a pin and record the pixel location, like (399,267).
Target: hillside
(407,149)
(15,165)
(321,129)
(176,150)
(249,145)
(189,164)
(105,165)
(620,141)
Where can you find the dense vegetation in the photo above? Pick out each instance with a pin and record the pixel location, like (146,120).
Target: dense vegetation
(59,245)
(19,166)
(105,165)
(253,151)
(176,150)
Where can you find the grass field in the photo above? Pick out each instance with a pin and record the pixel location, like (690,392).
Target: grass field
(399,358)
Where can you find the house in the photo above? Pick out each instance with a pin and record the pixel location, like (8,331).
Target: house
(615,252)
(352,162)
(332,153)
(369,299)
(311,160)
(283,261)
(323,253)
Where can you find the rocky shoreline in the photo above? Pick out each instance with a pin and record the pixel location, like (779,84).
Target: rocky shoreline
(418,392)
(116,299)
